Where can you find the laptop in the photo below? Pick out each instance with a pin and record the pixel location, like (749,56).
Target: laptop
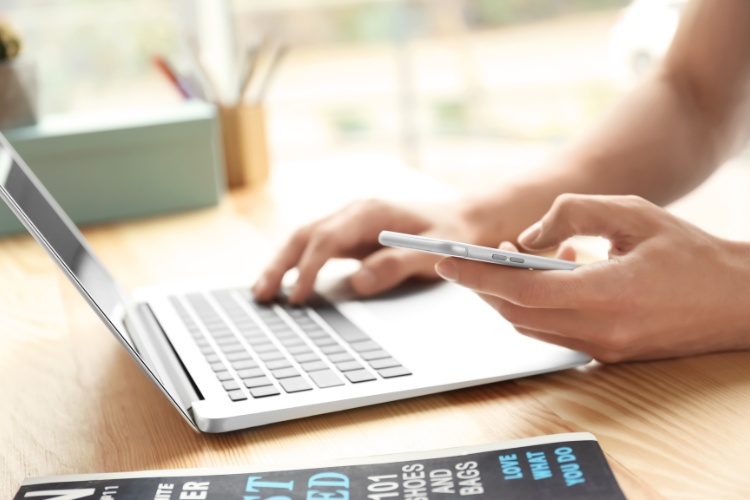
(226,362)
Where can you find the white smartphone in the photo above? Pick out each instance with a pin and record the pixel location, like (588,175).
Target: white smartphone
(473,252)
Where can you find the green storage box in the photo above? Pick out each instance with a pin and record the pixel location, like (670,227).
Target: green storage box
(125,165)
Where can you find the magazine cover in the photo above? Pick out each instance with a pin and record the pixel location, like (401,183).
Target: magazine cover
(557,466)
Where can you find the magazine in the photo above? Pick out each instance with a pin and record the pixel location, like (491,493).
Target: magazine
(557,466)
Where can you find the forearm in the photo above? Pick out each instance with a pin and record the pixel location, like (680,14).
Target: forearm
(659,142)
(653,144)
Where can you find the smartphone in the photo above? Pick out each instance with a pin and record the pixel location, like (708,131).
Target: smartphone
(473,252)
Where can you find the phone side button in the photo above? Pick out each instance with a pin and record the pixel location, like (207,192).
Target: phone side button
(496,256)
(516,260)
(459,250)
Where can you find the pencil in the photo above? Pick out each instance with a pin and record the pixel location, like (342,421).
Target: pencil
(172,76)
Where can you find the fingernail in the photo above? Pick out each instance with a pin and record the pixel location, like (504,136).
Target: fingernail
(447,269)
(364,281)
(531,234)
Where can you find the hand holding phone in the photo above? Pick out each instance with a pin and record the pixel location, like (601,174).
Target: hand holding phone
(473,252)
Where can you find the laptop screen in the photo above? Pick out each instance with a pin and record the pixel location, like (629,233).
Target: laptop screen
(52,228)
(59,236)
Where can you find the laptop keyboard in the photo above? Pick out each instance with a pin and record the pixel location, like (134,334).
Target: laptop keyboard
(263,350)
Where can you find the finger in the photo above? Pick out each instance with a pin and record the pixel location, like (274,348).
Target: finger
(326,242)
(311,247)
(566,252)
(624,220)
(389,267)
(582,288)
(269,282)
(508,246)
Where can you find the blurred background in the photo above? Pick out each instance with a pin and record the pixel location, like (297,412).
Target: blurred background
(422,78)
(457,88)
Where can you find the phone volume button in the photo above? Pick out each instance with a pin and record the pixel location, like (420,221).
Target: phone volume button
(497,256)
(516,260)
(459,250)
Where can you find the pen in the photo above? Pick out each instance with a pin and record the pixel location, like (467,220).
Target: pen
(250,60)
(210,89)
(172,76)
(273,65)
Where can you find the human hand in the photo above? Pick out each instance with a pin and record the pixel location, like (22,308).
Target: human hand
(667,290)
(353,232)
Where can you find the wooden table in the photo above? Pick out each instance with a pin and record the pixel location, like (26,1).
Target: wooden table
(73,401)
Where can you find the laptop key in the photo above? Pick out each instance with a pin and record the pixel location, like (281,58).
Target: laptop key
(218,366)
(314,366)
(326,378)
(347,366)
(239,356)
(249,373)
(339,357)
(272,355)
(293,342)
(306,357)
(223,376)
(265,348)
(213,358)
(396,371)
(285,373)
(237,395)
(232,348)
(257,337)
(379,364)
(295,384)
(299,349)
(254,382)
(358,376)
(371,355)
(332,349)
(324,341)
(317,333)
(265,391)
(245,363)
(278,363)
(368,345)
(231,385)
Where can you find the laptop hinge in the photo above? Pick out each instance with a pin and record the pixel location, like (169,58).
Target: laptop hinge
(170,362)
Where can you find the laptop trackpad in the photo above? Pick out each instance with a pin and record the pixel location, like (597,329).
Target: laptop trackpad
(448,332)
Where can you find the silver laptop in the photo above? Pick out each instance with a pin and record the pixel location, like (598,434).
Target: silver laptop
(227,363)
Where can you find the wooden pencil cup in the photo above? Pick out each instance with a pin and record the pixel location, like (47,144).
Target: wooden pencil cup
(243,129)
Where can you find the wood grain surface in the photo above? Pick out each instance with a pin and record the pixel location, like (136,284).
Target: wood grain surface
(74,402)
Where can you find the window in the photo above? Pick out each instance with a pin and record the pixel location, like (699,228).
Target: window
(96,54)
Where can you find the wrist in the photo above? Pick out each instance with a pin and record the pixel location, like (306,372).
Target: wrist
(736,316)
(501,214)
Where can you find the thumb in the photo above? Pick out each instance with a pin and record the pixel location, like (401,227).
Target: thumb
(621,219)
(389,267)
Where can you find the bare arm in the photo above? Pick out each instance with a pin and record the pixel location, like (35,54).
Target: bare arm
(659,142)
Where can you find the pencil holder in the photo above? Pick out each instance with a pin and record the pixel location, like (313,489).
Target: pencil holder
(243,129)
